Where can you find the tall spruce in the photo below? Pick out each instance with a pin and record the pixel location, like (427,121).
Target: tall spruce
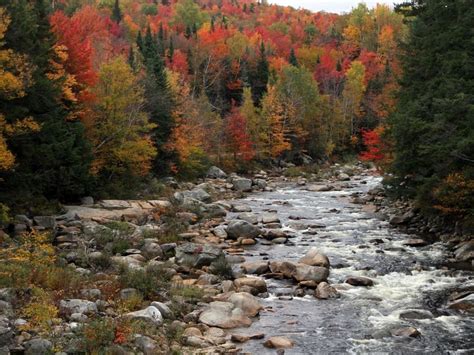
(293,60)
(260,79)
(116,12)
(53,162)
(433,127)
(158,101)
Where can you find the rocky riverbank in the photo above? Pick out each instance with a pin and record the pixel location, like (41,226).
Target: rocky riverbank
(180,274)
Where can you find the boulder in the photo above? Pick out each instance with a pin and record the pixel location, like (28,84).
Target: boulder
(151,249)
(464,304)
(6,335)
(197,255)
(278,343)
(359,281)
(215,210)
(150,314)
(325,291)
(310,273)
(465,251)
(48,222)
(320,188)
(268,218)
(406,332)
(257,283)
(415,242)
(246,302)
(250,217)
(224,315)
(146,344)
(314,258)
(71,306)
(242,229)
(163,308)
(242,184)
(215,173)
(256,267)
(38,346)
(415,314)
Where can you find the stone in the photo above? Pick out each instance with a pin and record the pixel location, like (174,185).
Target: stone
(215,173)
(6,335)
(256,267)
(129,261)
(242,229)
(310,273)
(415,314)
(78,317)
(48,222)
(71,306)
(192,331)
(359,281)
(38,346)
(214,210)
(246,302)
(151,249)
(257,283)
(325,291)
(249,217)
(150,314)
(280,240)
(197,255)
(260,183)
(146,344)
(242,184)
(248,241)
(314,258)
(197,342)
(224,315)
(268,218)
(406,332)
(400,220)
(278,343)
(91,293)
(163,308)
(240,208)
(220,232)
(320,188)
(465,251)
(343,177)
(87,201)
(464,304)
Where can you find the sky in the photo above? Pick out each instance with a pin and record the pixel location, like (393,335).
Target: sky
(337,6)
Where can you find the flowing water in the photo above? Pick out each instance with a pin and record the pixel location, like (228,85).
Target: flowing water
(359,243)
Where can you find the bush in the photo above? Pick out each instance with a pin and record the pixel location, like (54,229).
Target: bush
(190,293)
(195,166)
(222,268)
(119,246)
(40,311)
(147,281)
(98,335)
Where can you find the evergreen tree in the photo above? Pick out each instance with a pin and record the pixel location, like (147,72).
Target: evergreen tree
(260,80)
(158,101)
(171,50)
(53,162)
(116,12)
(140,41)
(433,127)
(293,60)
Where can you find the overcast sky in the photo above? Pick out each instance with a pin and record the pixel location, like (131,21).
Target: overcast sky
(338,6)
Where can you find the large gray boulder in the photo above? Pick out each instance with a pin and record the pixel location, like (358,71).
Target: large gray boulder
(71,306)
(224,315)
(150,315)
(242,184)
(314,258)
(38,346)
(242,229)
(197,255)
(246,302)
(215,173)
(300,272)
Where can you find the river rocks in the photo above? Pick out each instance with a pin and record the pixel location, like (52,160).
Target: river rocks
(242,184)
(151,249)
(400,220)
(6,335)
(464,304)
(324,291)
(314,258)
(47,222)
(150,314)
(163,308)
(256,267)
(71,306)
(278,343)
(246,302)
(249,217)
(254,282)
(240,208)
(224,315)
(343,177)
(242,229)
(269,218)
(406,332)
(465,251)
(359,281)
(239,338)
(300,272)
(415,314)
(146,344)
(215,173)
(197,255)
(415,242)
(320,188)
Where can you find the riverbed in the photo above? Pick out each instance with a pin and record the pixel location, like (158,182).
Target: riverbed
(358,242)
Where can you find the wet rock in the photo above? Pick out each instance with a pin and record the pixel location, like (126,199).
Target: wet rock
(87,201)
(220,232)
(242,184)
(71,306)
(400,220)
(260,183)
(310,273)
(464,304)
(197,255)
(359,281)
(215,210)
(269,218)
(320,188)
(6,335)
(278,343)
(416,314)
(48,222)
(325,291)
(246,302)
(216,173)
(257,283)
(415,243)
(38,346)
(343,177)
(465,251)
(242,229)
(248,241)
(281,240)
(150,314)
(224,315)
(241,208)
(406,332)
(239,338)
(314,258)
(256,267)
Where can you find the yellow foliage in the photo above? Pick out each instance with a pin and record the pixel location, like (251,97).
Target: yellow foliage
(40,312)
(34,248)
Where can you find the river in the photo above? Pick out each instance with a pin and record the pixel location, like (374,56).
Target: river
(358,243)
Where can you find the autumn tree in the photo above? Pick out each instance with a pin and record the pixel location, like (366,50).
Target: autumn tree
(353,93)
(121,132)
(256,126)
(239,143)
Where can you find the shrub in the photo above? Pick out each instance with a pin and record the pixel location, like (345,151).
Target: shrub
(190,293)
(40,311)
(119,246)
(222,268)
(98,335)
(147,281)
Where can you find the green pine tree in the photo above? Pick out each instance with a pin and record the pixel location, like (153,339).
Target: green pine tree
(116,12)
(261,76)
(293,60)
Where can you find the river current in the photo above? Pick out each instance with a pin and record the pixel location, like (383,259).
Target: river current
(358,243)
